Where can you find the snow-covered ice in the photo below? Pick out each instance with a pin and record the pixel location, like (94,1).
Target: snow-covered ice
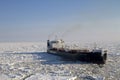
(29,61)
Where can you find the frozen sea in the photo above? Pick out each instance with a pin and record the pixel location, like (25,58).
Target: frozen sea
(29,61)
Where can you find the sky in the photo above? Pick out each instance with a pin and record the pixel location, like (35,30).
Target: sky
(70,20)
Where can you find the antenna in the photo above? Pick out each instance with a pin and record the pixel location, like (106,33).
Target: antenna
(95,45)
(56,37)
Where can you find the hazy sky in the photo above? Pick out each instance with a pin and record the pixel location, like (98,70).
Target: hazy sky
(81,20)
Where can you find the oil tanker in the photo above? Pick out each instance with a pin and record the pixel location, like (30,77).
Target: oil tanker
(57,47)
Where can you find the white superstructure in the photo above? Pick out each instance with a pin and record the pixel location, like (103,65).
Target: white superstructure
(55,44)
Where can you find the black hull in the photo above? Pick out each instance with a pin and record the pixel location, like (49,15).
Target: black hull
(82,56)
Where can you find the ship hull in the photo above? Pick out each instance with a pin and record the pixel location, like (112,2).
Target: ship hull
(82,56)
